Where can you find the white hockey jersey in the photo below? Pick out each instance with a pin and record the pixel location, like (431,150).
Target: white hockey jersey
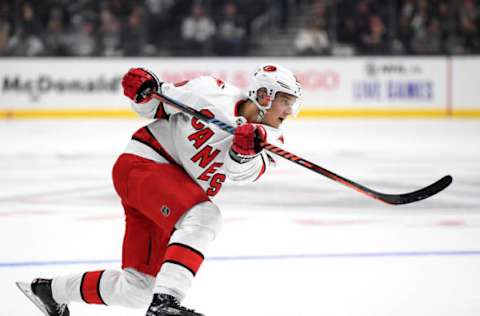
(201,150)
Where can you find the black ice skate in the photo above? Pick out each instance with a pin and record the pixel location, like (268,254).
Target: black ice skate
(167,305)
(40,293)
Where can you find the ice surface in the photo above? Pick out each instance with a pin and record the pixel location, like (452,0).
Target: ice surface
(294,244)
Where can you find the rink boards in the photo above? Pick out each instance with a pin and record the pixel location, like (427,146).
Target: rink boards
(332,87)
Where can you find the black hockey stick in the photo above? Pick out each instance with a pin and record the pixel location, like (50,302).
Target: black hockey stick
(394,199)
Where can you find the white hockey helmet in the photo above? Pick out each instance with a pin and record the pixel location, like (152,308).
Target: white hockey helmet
(274,78)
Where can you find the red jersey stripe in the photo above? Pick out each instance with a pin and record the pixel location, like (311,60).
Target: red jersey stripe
(90,287)
(262,171)
(160,112)
(146,137)
(185,256)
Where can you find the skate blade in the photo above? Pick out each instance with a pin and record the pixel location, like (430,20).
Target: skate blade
(27,290)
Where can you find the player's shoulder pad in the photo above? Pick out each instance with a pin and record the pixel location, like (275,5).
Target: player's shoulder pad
(213,81)
(206,83)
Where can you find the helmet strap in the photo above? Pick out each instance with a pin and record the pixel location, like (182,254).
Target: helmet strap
(260,115)
(262,109)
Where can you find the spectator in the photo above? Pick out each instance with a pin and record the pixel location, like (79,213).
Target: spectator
(29,20)
(26,41)
(444,16)
(197,31)
(469,10)
(362,16)
(135,34)
(250,10)
(110,41)
(347,33)
(56,42)
(404,35)
(407,9)
(469,20)
(4,35)
(374,41)
(282,9)
(420,17)
(121,7)
(160,20)
(313,39)
(5,28)
(82,41)
(320,13)
(428,42)
(231,32)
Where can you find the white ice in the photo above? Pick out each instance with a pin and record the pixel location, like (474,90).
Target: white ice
(295,244)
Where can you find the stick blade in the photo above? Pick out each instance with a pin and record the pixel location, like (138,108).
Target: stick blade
(27,290)
(426,192)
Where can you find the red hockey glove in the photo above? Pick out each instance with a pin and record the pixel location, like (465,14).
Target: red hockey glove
(246,142)
(138,84)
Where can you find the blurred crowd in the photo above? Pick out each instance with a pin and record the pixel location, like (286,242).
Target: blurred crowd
(230,27)
(125,28)
(369,27)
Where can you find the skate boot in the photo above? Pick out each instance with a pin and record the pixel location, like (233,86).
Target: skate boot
(167,305)
(40,293)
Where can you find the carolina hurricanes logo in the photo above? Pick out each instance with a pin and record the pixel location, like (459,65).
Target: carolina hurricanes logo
(220,83)
(270,68)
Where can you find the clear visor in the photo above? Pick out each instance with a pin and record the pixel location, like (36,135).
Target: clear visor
(296,107)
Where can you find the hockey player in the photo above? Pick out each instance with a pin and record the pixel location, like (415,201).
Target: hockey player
(166,179)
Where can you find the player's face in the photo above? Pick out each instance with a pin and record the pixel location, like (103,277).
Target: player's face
(280,110)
